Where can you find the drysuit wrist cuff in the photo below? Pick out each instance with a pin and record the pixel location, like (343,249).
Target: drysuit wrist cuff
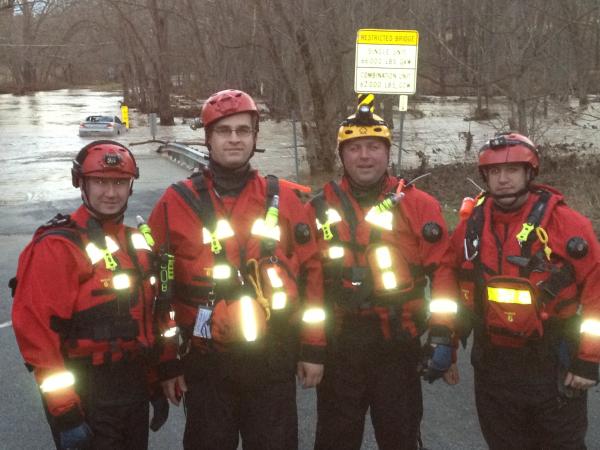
(170,369)
(585,369)
(71,419)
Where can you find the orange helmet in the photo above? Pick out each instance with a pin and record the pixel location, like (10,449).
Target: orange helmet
(106,159)
(227,103)
(509,148)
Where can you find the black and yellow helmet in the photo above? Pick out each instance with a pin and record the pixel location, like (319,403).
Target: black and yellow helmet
(363,124)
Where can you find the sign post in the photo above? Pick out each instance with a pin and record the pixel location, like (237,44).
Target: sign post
(386,63)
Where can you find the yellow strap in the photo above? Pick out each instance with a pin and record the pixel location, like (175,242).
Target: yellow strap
(109,261)
(327,233)
(254,277)
(524,233)
(215,245)
(543,237)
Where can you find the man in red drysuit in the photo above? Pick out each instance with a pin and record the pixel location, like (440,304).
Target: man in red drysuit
(380,239)
(83,310)
(248,291)
(530,276)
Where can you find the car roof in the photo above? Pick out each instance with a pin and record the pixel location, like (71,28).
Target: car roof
(99,118)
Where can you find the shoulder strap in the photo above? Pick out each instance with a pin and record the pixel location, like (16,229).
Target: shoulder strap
(202,205)
(347,208)
(533,221)
(320,204)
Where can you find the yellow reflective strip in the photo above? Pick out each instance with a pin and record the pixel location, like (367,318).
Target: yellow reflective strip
(504,295)
(57,381)
(443,306)
(591,326)
(313,315)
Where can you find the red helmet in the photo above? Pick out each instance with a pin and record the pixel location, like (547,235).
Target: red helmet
(226,103)
(106,159)
(509,148)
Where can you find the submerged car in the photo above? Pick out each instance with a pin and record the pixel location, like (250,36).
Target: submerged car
(101,126)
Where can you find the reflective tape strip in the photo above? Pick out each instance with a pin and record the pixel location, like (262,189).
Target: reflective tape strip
(505,295)
(249,327)
(274,278)
(279,300)
(443,305)
(93,252)
(139,242)
(381,219)
(591,326)
(221,272)
(57,381)
(388,278)
(313,315)
(260,228)
(121,281)
(170,332)
(111,245)
(332,217)
(336,252)
(223,231)
(383,257)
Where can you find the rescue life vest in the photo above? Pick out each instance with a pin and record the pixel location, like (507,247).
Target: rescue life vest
(237,303)
(511,310)
(363,272)
(112,314)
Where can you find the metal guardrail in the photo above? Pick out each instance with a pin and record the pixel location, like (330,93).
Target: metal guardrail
(184,154)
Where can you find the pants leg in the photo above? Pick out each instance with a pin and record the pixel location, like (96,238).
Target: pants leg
(396,398)
(269,417)
(529,415)
(504,415)
(342,401)
(114,399)
(560,423)
(212,406)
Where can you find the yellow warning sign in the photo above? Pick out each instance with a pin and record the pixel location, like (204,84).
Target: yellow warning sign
(397,37)
(386,61)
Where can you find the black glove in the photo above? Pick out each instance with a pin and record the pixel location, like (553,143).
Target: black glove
(160,411)
(76,437)
(439,362)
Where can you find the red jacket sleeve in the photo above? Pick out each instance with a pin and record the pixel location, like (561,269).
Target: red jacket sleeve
(48,284)
(429,227)
(312,345)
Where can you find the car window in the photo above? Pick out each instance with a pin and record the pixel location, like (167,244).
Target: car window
(117,120)
(106,119)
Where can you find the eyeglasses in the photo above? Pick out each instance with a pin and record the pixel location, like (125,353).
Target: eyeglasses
(241,132)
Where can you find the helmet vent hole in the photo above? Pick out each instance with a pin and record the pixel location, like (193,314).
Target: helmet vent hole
(377,129)
(348,132)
